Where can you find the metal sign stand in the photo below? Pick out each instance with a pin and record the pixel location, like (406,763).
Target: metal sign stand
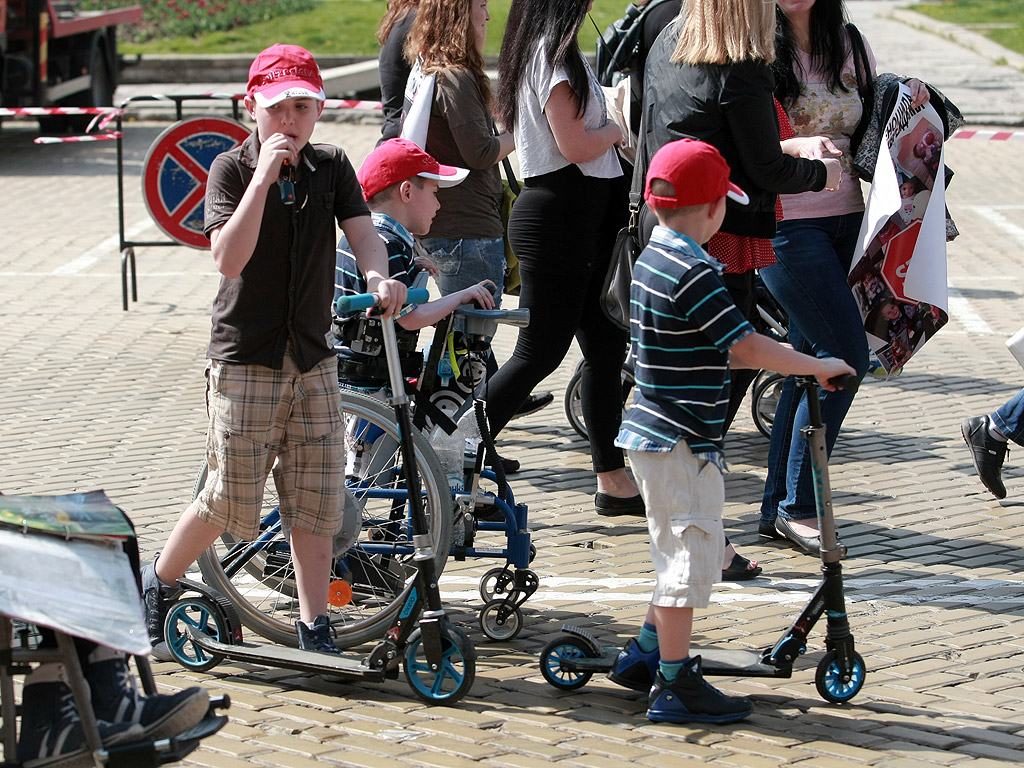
(127,247)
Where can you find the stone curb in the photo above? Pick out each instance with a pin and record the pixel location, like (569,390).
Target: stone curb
(972,41)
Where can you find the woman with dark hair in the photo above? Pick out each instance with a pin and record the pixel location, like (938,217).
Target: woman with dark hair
(563,227)
(816,82)
(392,68)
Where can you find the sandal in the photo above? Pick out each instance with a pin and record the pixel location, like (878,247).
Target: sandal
(741,569)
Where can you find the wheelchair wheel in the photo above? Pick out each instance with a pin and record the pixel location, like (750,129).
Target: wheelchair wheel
(371,578)
(764,400)
(573,402)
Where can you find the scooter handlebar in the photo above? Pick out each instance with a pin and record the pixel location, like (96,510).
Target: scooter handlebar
(345,305)
(846,381)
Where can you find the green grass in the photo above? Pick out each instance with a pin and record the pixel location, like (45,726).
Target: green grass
(344,27)
(977,14)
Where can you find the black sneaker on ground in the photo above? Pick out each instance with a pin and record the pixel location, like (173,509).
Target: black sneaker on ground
(116,700)
(52,733)
(635,669)
(987,453)
(156,598)
(318,637)
(690,699)
(534,403)
(508,466)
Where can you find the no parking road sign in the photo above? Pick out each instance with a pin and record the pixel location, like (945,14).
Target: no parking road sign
(175,170)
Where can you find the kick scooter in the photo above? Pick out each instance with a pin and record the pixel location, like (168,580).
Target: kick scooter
(440,661)
(571,659)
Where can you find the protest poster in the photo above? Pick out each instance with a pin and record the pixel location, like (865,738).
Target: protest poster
(898,272)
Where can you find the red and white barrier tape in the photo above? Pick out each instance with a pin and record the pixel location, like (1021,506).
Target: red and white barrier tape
(77,139)
(37,111)
(991,135)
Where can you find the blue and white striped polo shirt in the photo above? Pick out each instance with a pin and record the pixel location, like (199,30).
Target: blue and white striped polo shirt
(682,323)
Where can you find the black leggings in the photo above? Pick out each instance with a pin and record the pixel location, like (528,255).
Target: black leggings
(562,229)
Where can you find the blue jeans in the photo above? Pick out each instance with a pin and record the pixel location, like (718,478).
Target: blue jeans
(1009,418)
(465,262)
(809,281)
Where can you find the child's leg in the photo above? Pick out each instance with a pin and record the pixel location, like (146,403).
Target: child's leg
(674,628)
(312,557)
(189,539)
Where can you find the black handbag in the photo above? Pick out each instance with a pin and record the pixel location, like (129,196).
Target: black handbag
(619,278)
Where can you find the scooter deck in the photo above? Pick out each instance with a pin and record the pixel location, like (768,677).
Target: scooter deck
(285,657)
(714,661)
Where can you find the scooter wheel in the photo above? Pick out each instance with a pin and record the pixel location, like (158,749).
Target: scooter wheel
(494,627)
(828,678)
(202,614)
(764,400)
(496,582)
(564,647)
(455,676)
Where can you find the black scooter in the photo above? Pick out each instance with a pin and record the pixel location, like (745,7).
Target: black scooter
(439,658)
(571,659)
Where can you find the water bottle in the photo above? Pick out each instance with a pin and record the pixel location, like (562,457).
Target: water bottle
(449,450)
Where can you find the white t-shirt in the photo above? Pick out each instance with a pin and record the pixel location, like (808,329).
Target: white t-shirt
(535,144)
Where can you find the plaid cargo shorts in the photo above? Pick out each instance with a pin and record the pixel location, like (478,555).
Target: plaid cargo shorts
(264,420)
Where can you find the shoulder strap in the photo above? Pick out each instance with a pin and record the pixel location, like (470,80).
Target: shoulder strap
(510,176)
(865,84)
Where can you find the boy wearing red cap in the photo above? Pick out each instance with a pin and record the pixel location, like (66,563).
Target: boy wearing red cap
(273,399)
(686,333)
(400,183)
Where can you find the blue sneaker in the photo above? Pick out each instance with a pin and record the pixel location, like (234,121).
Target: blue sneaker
(689,699)
(635,669)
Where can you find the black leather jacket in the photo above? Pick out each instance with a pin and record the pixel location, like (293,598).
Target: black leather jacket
(732,107)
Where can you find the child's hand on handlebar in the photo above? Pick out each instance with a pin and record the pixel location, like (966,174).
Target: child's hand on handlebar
(480,294)
(392,295)
(828,368)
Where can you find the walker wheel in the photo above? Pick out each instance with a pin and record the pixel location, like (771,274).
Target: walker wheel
(564,647)
(829,681)
(500,629)
(200,613)
(495,583)
(458,667)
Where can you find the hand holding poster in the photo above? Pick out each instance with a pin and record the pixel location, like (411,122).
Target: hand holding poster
(898,273)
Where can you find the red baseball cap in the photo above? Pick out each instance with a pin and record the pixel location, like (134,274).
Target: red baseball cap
(399,159)
(696,170)
(284,72)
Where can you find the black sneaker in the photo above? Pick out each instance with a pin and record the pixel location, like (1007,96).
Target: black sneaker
(534,403)
(156,598)
(635,669)
(52,733)
(116,700)
(317,637)
(689,699)
(508,466)
(987,453)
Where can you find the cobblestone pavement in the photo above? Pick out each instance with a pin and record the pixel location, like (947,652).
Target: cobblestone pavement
(94,397)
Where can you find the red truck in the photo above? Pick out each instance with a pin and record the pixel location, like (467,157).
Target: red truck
(53,54)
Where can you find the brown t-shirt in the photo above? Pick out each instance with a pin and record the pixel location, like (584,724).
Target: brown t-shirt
(284,293)
(460,134)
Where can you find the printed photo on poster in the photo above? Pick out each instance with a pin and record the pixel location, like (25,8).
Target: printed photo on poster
(898,274)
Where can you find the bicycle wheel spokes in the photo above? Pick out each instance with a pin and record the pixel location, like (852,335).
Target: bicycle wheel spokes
(377,569)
